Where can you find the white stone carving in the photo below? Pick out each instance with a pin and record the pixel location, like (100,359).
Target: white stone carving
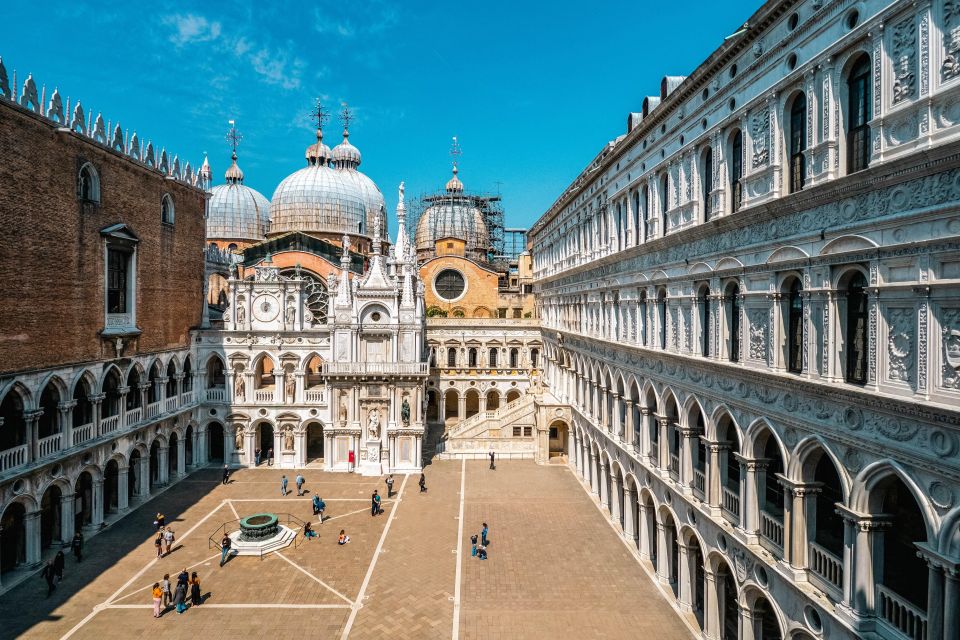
(900,344)
(903,54)
(759,135)
(758,333)
(951,40)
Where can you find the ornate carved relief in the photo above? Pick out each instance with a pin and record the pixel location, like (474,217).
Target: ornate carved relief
(758,334)
(900,344)
(759,135)
(951,40)
(903,54)
(950,338)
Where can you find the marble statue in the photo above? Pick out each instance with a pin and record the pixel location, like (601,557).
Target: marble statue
(405,412)
(288,438)
(239,439)
(290,388)
(241,314)
(343,411)
(373,424)
(239,387)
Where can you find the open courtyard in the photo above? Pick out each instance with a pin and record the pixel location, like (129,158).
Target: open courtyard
(556,568)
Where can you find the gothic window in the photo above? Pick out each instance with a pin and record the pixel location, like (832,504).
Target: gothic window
(449,284)
(451,357)
(858,116)
(472,357)
(645,203)
(855,331)
(118,265)
(315,295)
(493,356)
(166,209)
(643,318)
(514,358)
(534,357)
(733,319)
(662,317)
(795,327)
(704,304)
(707,181)
(798,142)
(664,197)
(88,184)
(433,356)
(636,217)
(736,171)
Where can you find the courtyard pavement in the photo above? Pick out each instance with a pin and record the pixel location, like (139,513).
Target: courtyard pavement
(556,568)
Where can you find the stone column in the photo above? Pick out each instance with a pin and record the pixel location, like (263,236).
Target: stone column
(122,420)
(688,444)
(711,614)
(594,482)
(646,454)
(629,515)
(935,599)
(603,489)
(97,506)
(617,423)
(181,454)
(31,525)
(951,603)
(747,622)
(32,419)
(95,401)
(685,575)
(715,450)
(143,478)
(163,465)
(644,530)
(615,499)
(750,471)
(66,423)
(461,408)
(801,500)
(663,423)
(301,386)
(862,555)
(123,488)
(629,432)
(664,547)
(67,517)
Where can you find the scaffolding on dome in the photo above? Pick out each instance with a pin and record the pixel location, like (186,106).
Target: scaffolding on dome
(491,210)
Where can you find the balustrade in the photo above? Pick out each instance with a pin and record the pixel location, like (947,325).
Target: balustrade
(110,423)
(826,565)
(13,457)
(901,614)
(170,404)
(134,416)
(49,445)
(771,529)
(263,395)
(217,394)
(674,466)
(700,483)
(186,398)
(315,395)
(731,503)
(82,433)
(153,409)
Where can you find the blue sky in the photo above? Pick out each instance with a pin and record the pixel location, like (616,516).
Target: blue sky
(531,89)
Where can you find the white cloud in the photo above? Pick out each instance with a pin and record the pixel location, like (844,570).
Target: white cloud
(190,28)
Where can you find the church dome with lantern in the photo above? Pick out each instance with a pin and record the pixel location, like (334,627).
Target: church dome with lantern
(236,211)
(452,214)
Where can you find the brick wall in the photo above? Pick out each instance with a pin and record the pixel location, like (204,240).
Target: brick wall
(51,250)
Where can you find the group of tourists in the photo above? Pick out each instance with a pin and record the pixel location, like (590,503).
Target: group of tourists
(480,550)
(164,541)
(186,593)
(256,457)
(53,571)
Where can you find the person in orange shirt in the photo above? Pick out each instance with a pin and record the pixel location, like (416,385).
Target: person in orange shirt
(157,597)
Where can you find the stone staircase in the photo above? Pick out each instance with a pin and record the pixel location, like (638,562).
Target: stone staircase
(489,431)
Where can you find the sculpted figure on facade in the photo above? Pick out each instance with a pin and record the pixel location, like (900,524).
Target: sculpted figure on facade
(291,315)
(288,438)
(405,412)
(343,411)
(241,314)
(239,386)
(290,387)
(239,440)
(373,424)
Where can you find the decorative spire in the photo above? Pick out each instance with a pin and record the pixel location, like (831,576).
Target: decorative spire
(343,289)
(377,241)
(400,248)
(234,175)
(454,185)
(346,117)
(318,153)
(205,172)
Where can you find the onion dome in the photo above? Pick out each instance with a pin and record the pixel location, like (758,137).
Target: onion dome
(237,212)
(346,158)
(452,215)
(318,199)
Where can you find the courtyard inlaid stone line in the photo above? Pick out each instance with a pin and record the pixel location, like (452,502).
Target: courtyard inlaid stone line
(556,568)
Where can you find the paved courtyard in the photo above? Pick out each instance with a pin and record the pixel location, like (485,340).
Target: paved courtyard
(556,568)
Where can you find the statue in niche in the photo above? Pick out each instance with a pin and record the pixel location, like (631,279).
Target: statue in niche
(241,314)
(290,388)
(239,387)
(373,424)
(239,442)
(288,438)
(291,315)
(343,411)
(405,412)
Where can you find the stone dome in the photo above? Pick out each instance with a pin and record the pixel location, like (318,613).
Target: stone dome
(346,159)
(237,212)
(319,199)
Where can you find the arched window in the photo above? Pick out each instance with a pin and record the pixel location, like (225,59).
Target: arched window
(472,357)
(795,327)
(636,218)
(664,199)
(433,356)
(855,331)
(736,171)
(704,304)
(858,116)
(493,356)
(166,209)
(514,358)
(798,142)
(645,204)
(534,358)
(88,184)
(451,357)
(707,181)
(662,317)
(733,319)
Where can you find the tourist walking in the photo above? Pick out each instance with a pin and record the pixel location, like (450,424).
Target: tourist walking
(168,539)
(483,535)
(165,588)
(350,460)
(423,483)
(343,538)
(180,596)
(157,595)
(256,457)
(389,483)
(473,545)
(270,457)
(492,463)
(225,543)
(316,504)
(158,543)
(58,562)
(49,574)
(183,577)
(226,474)
(283,485)
(482,552)
(308,532)
(320,506)
(159,521)
(196,598)
(299,481)
(375,503)
(76,545)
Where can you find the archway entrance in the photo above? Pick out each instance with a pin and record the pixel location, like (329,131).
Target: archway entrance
(111,489)
(133,475)
(559,432)
(13,537)
(51,517)
(83,491)
(472,404)
(512,395)
(314,442)
(215,441)
(493,400)
(154,464)
(188,446)
(173,462)
(451,403)
(265,438)
(433,406)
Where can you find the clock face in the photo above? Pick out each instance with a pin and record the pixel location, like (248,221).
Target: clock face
(265,308)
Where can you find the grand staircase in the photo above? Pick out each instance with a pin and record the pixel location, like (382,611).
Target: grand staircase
(488,431)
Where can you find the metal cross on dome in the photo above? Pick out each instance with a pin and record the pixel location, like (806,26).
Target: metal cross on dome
(346,116)
(319,114)
(455,152)
(233,136)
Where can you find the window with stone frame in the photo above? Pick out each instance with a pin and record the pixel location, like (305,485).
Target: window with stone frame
(858,116)
(798,143)
(120,279)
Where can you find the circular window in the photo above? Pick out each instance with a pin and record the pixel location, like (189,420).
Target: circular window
(733,104)
(853,18)
(792,61)
(722,541)
(761,575)
(681,138)
(733,71)
(812,616)
(703,123)
(375,316)
(213,412)
(449,284)
(793,21)
(705,94)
